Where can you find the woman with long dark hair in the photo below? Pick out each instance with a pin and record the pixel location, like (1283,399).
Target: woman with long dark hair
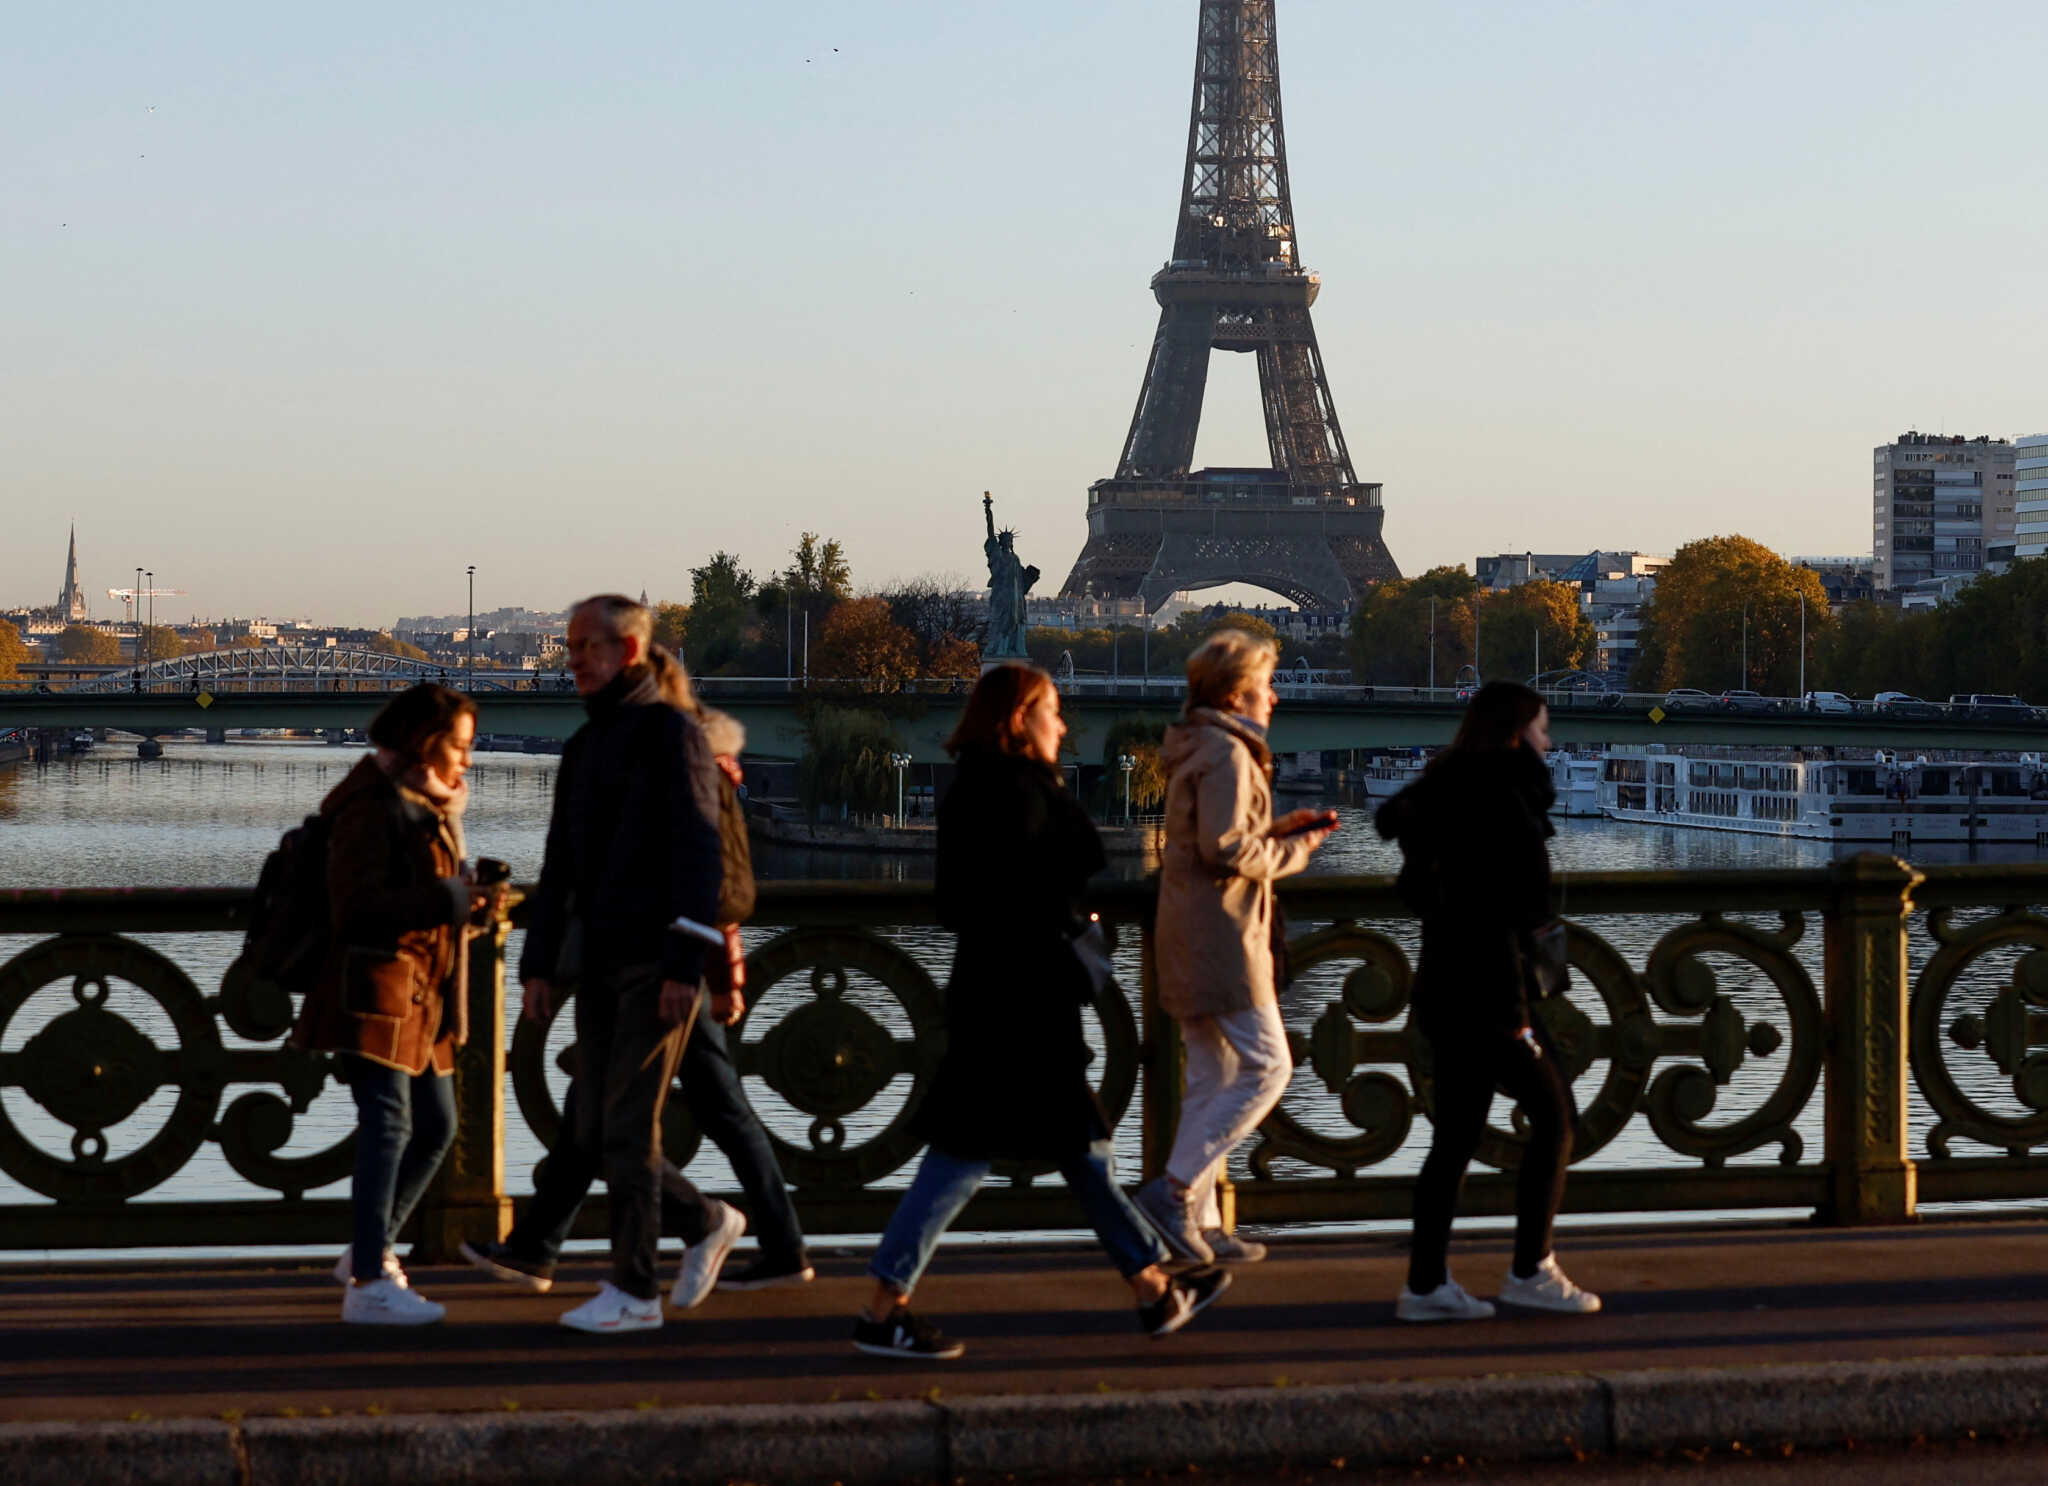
(1474,834)
(1015,852)
(393,996)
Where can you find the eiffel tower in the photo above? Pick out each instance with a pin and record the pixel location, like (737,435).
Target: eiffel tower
(1307,527)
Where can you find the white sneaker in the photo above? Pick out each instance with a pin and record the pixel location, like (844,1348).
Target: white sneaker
(386,1302)
(345,1268)
(613,1310)
(1447,1302)
(703,1260)
(1549,1289)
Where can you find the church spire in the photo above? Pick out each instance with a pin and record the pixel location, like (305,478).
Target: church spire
(71,601)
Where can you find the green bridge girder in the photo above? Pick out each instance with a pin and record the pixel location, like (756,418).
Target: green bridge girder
(775,728)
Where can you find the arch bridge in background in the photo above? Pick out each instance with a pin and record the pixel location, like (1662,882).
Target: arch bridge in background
(294,666)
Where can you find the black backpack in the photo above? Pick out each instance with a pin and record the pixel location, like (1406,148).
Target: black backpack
(288,923)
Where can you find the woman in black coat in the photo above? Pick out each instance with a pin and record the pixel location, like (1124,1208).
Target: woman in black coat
(1474,834)
(1015,852)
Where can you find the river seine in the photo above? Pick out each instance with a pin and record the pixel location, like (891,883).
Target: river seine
(205,815)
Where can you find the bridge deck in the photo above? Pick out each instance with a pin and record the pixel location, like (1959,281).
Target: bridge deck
(194,1339)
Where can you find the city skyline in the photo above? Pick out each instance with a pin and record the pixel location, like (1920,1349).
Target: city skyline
(322,319)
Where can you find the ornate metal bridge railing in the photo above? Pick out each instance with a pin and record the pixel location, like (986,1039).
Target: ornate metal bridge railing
(1737,1040)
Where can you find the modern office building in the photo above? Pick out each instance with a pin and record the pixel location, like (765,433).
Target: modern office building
(2030,496)
(1938,501)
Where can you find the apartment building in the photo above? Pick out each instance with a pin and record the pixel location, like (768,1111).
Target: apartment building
(1937,502)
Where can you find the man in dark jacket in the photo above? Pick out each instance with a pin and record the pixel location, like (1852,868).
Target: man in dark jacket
(632,846)
(710,1086)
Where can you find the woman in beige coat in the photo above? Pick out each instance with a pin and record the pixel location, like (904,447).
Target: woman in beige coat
(1213,941)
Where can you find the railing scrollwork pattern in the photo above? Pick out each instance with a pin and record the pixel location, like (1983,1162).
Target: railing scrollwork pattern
(1712,1050)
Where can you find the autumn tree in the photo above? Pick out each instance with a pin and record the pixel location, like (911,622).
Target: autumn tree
(159,642)
(1538,625)
(861,642)
(1140,737)
(1251,624)
(386,643)
(944,623)
(13,651)
(1392,632)
(671,625)
(1721,599)
(81,645)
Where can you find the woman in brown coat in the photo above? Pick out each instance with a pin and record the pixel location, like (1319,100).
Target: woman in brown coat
(392,996)
(1224,850)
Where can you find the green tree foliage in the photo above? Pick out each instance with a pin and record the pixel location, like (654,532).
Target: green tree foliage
(385,643)
(1390,633)
(1715,592)
(81,645)
(1537,621)
(13,651)
(1992,637)
(817,576)
(1140,738)
(721,610)
(846,761)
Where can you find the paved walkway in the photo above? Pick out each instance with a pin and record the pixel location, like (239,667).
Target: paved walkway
(119,1342)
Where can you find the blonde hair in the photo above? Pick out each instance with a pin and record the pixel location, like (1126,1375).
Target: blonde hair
(622,617)
(1224,665)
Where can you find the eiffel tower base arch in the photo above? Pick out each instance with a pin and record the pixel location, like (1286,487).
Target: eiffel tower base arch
(1320,559)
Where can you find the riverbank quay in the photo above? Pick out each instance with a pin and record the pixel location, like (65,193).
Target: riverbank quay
(1714,1337)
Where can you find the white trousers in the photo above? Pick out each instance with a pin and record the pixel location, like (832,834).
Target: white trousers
(1238,1066)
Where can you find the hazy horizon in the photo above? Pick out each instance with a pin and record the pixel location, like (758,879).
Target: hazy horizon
(315,309)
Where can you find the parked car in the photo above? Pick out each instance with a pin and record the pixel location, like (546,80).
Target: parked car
(1739,700)
(1686,699)
(1904,704)
(1991,706)
(1828,701)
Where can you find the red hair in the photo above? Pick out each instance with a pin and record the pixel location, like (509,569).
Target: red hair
(995,708)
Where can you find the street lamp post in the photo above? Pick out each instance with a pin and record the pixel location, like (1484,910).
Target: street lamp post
(1802,646)
(471,633)
(1432,647)
(135,610)
(1126,762)
(149,630)
(902,762)
(1745,647)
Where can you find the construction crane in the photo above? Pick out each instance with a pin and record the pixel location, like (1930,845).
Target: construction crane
(133,596)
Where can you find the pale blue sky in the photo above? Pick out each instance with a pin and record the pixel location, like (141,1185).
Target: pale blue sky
(581,293)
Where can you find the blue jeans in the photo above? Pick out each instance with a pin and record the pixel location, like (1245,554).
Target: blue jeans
(944,1184)
(405,1123)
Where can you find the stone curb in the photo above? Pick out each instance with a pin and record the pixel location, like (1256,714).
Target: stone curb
(764,1442)
(1875,1402)
(1496,1419)
(160,1452)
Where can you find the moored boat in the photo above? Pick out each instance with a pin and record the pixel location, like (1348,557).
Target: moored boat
(1886,799)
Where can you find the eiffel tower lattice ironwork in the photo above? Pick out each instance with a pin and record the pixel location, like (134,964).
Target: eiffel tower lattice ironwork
(1306,527)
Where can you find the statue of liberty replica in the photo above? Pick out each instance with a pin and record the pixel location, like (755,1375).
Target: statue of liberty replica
(1008,581)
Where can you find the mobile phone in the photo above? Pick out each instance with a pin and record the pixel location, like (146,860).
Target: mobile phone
(1323,821)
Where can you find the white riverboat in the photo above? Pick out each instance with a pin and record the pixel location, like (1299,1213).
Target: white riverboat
(1390,773)
(1574,776)
(1576,779)
(1887,799)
